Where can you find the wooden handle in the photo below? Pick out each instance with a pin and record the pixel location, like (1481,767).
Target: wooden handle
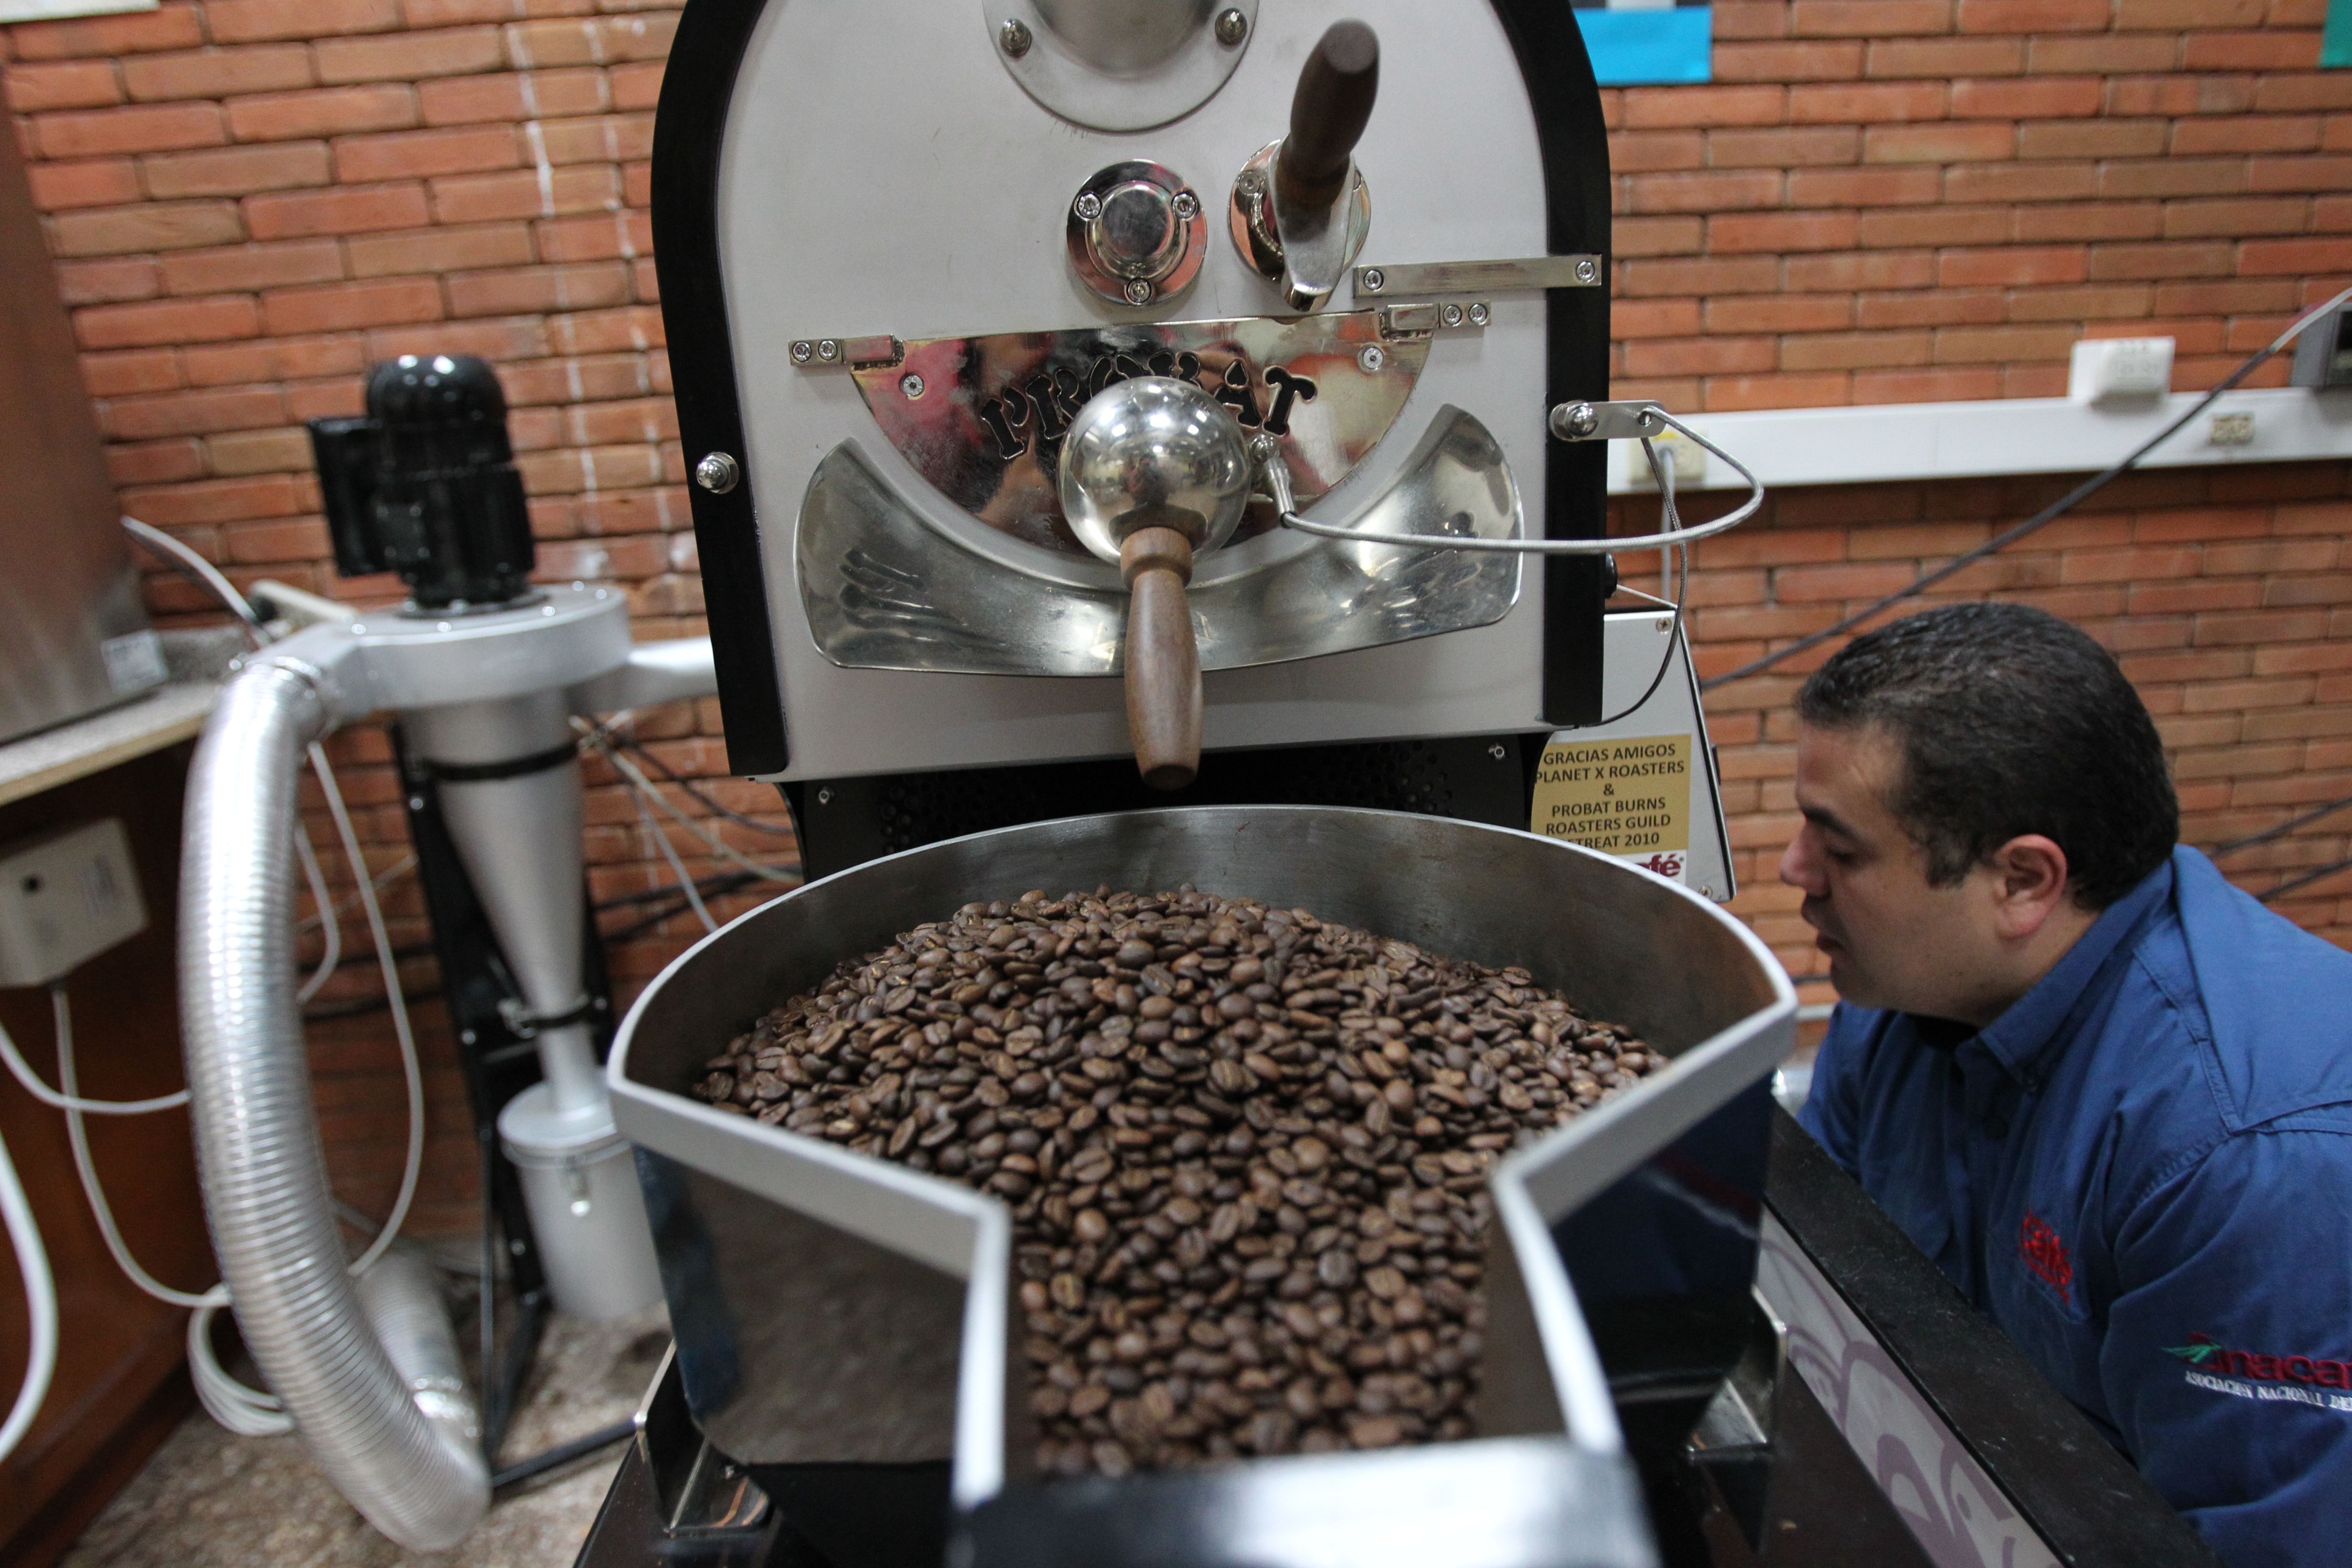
(1163,663)
(1327,117)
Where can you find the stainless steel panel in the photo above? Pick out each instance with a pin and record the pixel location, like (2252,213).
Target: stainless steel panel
(1478,276)
(1628,945)
(884,588)
(73,633)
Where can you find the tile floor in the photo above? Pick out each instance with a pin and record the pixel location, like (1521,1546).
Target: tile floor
(210,1498)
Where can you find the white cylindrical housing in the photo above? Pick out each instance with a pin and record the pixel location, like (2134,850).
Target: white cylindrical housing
(580,1181)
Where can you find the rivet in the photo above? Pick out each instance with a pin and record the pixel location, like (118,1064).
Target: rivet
(1371,357)
(1450,314)
(804,350)
(1478,314)
(1088,206)
(911,386)
(1587,270)
(824,797)
(1374,280)
(827,350)
(1232,26)
(1187,205)
(1013,38)
(1138,291)
(719,473)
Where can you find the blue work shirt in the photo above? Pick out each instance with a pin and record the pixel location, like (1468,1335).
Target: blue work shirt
(2142,1170)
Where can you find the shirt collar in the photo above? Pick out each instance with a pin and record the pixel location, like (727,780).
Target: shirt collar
(2035,1027)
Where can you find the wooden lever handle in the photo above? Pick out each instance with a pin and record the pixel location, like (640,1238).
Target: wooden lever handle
(1327,117)
(1163,663)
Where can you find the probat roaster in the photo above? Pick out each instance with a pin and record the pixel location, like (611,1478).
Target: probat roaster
(902,247)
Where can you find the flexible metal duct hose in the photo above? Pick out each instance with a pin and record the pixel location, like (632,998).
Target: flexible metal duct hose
(419,1478)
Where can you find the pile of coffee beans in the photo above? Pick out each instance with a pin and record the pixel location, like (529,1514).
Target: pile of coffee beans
(1247,1151)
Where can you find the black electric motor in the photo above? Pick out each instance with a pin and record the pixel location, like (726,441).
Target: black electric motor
(425,486)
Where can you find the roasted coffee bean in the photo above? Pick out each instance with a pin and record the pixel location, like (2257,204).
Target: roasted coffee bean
(1246,1152)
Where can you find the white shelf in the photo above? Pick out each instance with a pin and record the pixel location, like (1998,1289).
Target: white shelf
(2013,435)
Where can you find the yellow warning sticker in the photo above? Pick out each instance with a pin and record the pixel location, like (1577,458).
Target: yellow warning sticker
(1630,796)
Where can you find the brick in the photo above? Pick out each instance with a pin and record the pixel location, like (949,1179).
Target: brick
(1653,319)
(1632,236)
(355,209)
(129,370)
(97,182)
(2247,215)
(1880,269)
(114,231)
(1945,142)
(2029,98)
(639,86)
(2235,627)
(2014,266)
(409,56)
(276,360)
(167,27)
(1651,151)
(2224,296)
(165,322)
(475,198)
(1970,345)
(1864,187)
(602,139)
(1868,103)
(1812,61)
(1935,226)
(2020,182)
(2090,221)
(1853,350)
(247,21)
(2173,177)
(108,280)
(216,73)
(154,462)
(519,289)
(1783,147)
(2293,257)
(2247,133)
(2032,15)
(440,249)
(1713,190)
(2107,54)
(63,84)
(332,112)
(414,154)
(2090,302)
(1779,313)
(236,171)
(2093,139)
(1684,107)
(1869,18)
(1699,356)
(236,452)
(252,266)
(2181,259)
(2327,90)
(508,97)
(1945,58)
(1932,308)
(2180,16)
(1782,232)
(145,128)
(1728,393)
(2298,173)
(2183,95)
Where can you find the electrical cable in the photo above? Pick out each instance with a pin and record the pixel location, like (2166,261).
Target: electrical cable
(719,847)
(1662,468)
(676,866)
(332,953)
(2038,521)
(190,565)
(40,1306)
(2296,884)
(69,1100)
(2279,830)
(671,775)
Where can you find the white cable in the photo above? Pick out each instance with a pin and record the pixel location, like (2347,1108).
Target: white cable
(719,847)
(68,1101)
(332,953)
(678,867)
(1278,476)
(396,997)
(205,571)
(40,1306)
(383,879)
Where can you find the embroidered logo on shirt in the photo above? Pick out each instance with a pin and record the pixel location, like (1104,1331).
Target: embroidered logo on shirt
(2204,1350)
(2046,1254)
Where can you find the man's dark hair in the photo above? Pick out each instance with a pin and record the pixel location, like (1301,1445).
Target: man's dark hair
(2010,721)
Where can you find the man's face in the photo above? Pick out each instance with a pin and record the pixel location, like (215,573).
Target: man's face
(1894,940)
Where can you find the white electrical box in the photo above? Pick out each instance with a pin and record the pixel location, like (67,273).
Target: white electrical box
(65,898)
(2119,368)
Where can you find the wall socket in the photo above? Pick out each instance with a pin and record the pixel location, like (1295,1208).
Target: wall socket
(2119,369)
(65,897)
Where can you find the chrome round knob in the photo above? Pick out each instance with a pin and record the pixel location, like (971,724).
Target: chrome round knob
(1154,452)
(1136,234)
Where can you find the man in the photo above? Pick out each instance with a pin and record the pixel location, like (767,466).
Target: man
(2108,1094)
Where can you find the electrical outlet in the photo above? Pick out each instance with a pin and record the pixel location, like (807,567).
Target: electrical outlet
(2119,368)
(1689,457)
(65,897)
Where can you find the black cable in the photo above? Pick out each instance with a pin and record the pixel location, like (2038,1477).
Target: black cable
(671,775)
(562,1454)
(2038,522)
(2281,830)
(2303,881)
(1672,518)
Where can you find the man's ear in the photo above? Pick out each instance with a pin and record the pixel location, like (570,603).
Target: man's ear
(2030,884)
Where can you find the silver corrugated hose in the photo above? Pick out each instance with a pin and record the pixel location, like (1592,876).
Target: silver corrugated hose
(419,1478)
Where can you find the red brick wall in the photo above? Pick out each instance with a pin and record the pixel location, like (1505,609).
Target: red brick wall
(1901,201)
(1878,200)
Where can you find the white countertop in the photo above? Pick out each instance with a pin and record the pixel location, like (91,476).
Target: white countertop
(163,716)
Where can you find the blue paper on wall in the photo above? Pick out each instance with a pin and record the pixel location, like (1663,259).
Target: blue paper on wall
(1636,42)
